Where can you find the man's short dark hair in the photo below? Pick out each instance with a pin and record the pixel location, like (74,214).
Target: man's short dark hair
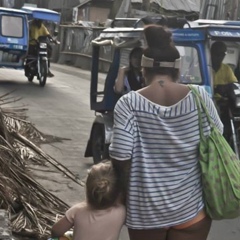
(218,46)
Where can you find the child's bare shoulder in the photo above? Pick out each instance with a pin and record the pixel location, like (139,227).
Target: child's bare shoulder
(80,205)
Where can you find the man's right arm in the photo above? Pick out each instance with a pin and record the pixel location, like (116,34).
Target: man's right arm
(230,76)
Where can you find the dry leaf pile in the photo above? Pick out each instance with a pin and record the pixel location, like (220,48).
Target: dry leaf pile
(32,209)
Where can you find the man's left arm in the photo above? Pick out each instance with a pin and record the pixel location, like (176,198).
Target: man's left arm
(45,31)
(231,78)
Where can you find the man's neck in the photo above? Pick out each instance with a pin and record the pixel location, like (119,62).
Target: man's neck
(216,67)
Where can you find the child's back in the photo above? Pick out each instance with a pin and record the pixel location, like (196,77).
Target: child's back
(102,216)
(93,224)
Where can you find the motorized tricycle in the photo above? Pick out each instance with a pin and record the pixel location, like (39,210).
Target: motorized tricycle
(38,59)
(13,38)
(193,40)
(36,64)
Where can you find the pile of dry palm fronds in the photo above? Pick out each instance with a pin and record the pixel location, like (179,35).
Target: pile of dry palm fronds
(32,209)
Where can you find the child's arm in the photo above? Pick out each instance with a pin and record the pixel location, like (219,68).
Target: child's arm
(60,227)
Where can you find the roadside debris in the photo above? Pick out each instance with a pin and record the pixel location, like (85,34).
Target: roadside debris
(32,209)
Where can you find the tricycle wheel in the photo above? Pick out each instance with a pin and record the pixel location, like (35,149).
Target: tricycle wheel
(43,73)
(99,148)
(30,78)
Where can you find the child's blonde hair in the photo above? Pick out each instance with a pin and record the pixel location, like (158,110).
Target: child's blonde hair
(102,186)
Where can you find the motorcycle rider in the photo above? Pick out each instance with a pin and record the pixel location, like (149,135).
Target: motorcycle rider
(38,29)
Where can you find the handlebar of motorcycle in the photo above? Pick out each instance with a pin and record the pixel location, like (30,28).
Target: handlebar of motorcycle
(50,40)
(55,41)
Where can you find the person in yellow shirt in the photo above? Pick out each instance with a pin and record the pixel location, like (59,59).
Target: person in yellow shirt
(223,79)
(222,73)
(37,29)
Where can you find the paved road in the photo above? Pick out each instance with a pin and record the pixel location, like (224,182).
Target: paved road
(61,108)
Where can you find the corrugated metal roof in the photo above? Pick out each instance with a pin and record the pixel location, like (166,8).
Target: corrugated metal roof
(174,5)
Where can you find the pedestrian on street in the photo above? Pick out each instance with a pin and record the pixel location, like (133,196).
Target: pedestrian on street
(102,215)
(130,77)
(154,148)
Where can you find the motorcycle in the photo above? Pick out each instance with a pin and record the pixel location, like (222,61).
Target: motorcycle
(36,63)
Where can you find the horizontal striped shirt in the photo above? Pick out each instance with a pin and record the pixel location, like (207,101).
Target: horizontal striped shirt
(162,143)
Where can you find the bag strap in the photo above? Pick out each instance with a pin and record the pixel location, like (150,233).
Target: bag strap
(199,110)
(200,102)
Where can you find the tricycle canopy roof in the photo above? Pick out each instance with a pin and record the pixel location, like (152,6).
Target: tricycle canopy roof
(198,30)
(13,11)
(42,13)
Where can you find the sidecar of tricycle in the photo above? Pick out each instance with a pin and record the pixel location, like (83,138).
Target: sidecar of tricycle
(13,38)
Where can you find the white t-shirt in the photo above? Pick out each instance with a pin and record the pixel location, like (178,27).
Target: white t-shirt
(96,224)
(162,143)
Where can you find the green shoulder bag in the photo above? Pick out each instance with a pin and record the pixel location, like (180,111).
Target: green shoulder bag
(220,169)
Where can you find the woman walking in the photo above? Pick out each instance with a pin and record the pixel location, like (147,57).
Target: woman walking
(155,148)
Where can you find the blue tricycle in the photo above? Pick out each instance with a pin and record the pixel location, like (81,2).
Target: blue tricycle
(13,38)
(193,40)
(14,41)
